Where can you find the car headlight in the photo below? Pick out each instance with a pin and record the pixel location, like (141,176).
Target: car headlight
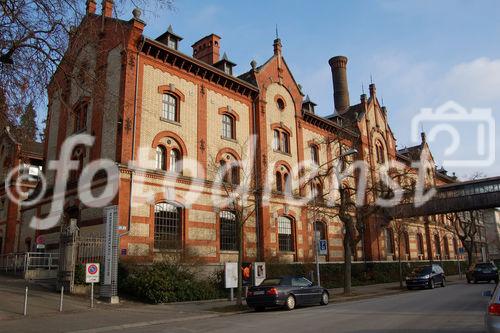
(426,276)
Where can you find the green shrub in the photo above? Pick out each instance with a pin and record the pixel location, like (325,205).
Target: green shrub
(165,282)
(79,273)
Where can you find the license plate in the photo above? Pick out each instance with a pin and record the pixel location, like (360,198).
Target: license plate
(258,293)
(487,271)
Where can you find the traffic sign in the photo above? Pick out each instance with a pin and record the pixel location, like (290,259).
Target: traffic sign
(323,247)
(92,273)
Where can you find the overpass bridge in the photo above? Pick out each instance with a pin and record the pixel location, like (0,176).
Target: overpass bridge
(456,197)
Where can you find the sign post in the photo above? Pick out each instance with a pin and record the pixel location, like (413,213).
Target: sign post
(231,277)
(259,273)
(92,276)
(109,285)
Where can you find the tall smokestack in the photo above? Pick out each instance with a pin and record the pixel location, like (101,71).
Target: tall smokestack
(340,88)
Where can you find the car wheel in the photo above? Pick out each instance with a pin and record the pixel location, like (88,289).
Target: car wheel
(475,280)
(325,298)
(290,303)
(431,284)
(496,281)
(409,288)
(468,281)
(259,308)
(443,283)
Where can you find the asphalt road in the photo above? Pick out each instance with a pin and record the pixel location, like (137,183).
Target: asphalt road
(455,308)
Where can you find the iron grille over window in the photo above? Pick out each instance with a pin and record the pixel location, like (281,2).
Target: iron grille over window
(228,231)
(285,234)
(168,226)
(169,107)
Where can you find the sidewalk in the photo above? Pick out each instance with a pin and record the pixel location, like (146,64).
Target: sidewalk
(77,316)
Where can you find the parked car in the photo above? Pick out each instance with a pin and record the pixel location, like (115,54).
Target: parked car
(426,276)
(492,316)
(286,291)
(483,271)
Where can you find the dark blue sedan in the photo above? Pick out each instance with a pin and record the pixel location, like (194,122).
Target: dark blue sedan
(287,292)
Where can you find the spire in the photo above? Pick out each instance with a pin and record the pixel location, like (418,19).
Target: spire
(277,35)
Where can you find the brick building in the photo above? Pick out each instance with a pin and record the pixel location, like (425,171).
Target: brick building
(166,118)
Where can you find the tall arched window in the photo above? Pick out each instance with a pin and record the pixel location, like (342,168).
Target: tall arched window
(380,151)
(230,170)
(285,234)
(446,247)
(281,141)
(288,183)
(228,130)
(455,247)
(168,226)
(389,241)
(279,182)
(420,244)
(316,191)
(228,231)
(170,107)
(175,164)
(160,158)
(437,244)
(283,180)
(314,154)
(406,243)
(320,231)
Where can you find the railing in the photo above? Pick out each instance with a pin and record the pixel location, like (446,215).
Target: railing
(22,262)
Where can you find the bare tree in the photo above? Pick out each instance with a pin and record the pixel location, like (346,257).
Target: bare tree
(34,37)
(464,225)
(235,189)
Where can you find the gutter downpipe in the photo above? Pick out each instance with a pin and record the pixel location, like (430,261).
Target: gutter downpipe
(141,43)
(257,192)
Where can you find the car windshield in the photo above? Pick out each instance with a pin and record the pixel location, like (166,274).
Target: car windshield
(271,282)
(484,265)
(422,270)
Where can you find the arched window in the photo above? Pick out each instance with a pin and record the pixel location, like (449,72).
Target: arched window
(320,231)
(228,130)
(314,154)
(285,234)
(230,170)
(279,182)
(455,247)
(170,107)
(168,226)
(283,180)
(80,119)
(228,231)
(420,245)
(437,244)
(316,191)
(160,158)
(281,141)
(175,164)
(380,151)
(389,241)
(446,247)
(406,245)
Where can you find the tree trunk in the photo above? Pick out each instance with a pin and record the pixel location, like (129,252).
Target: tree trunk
(347,265)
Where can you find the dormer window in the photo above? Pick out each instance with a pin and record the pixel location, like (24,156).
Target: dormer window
(171,43)
(225,65)
(170,39)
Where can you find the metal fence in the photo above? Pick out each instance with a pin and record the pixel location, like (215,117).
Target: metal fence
(89,249)
(20,263)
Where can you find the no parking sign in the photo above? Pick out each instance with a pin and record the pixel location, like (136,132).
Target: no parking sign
(92,273)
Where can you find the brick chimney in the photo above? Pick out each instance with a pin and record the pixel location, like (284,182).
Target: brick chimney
(107,8)
(340,87)
(207,49)
(91,7)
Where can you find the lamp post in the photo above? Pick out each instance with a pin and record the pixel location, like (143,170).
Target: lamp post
(316,236)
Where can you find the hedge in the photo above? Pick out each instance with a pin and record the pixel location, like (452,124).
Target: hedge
(332,274)
(166,282)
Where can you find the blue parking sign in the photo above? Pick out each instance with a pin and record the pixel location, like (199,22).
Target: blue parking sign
(323,247)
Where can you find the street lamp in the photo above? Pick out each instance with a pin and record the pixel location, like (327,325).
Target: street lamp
(352,151)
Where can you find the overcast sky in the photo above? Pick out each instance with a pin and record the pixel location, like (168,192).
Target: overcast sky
(419,53)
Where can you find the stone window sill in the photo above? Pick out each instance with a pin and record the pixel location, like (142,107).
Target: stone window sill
(170,121)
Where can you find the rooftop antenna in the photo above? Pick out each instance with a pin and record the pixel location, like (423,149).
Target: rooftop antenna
(277,36)
(382,100)
(362,88)
(371,79)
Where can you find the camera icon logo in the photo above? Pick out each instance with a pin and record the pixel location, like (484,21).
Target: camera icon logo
(462,126)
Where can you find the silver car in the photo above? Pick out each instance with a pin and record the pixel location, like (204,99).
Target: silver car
(492,317)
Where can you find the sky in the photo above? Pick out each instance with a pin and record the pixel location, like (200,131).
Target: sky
(420,54)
